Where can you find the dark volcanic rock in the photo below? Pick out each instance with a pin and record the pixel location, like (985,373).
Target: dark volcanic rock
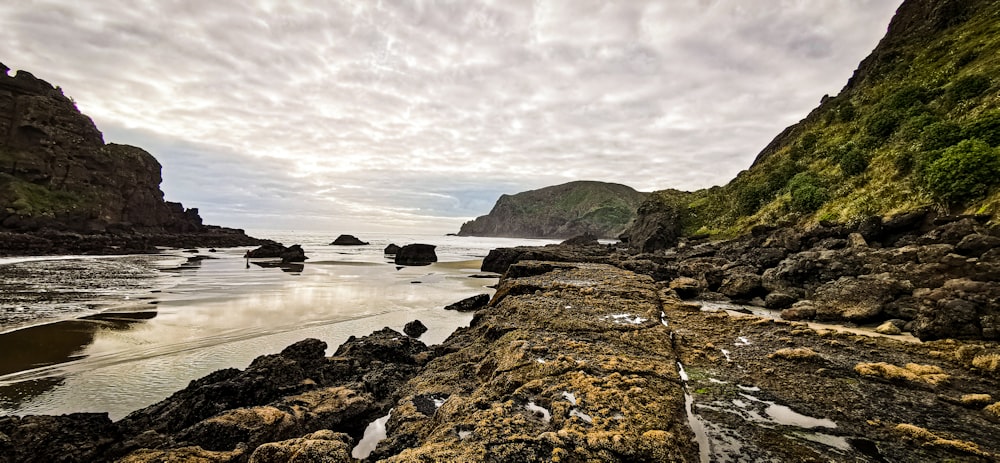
(76,437)
(470,304)
(391,250)
(348,240)
(416,254)
(293,253)
(414,329)
(586,239)
(498,260)
(657,225)
(60,176)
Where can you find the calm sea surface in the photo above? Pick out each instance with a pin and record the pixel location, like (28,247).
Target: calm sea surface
(114,334)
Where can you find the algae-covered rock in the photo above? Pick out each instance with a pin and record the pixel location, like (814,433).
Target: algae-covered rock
(570,363)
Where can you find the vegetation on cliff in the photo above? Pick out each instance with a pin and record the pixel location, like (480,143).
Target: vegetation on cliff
(56,172)
(918,125)
(561,211)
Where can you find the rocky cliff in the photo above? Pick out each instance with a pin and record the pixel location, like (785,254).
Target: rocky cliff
(916,126)
(58,175)
(561,211)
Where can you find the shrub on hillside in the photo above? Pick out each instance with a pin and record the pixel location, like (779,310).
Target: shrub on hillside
(969,87)
(883,123)
(807,192)
(940,135)
(853,162)
(986,128)
(909,96)
(964,172)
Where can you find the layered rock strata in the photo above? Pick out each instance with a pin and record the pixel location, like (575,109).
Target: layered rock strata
(62,189)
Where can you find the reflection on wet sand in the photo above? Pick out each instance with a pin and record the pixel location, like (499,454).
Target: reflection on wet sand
(53,344)
(59,342)
(289,267)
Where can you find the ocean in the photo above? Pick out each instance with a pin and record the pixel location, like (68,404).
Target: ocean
(117,333)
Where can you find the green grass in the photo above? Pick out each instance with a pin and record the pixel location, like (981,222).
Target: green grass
(886,145)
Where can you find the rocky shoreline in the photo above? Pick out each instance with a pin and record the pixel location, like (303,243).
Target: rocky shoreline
(53,242)
(575,361)
(931,275)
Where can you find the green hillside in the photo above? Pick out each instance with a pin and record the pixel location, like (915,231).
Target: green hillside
(917,125)
(561,211)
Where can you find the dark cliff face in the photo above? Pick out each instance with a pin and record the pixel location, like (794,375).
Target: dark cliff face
(56,171)
(561,211)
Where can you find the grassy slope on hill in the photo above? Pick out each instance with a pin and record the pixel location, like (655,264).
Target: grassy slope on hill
(918,125)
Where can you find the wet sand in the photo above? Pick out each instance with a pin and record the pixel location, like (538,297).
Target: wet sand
(185,318)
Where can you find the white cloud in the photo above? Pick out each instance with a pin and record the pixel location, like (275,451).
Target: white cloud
(422,113)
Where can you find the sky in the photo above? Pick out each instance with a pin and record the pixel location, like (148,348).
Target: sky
(367,115)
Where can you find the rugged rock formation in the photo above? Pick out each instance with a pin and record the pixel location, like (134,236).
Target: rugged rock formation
(391,250)
(58,176)
(936,274)
(348,240)
(415,328)
(272,250)
(583,373)
(470,304)
(498,260)
(562,211)
(416,254)
(281,404)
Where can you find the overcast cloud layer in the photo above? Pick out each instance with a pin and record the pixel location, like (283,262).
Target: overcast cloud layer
(399,115)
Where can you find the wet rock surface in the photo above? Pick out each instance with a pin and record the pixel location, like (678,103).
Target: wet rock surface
(568,363)
(773,390)
(938,274)
(284,400)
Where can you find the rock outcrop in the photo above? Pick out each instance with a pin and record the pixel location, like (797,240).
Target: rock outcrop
(583,373)
(561,211)
(937,274)
(67,190)
(348,240)
(272,250)
(416,254)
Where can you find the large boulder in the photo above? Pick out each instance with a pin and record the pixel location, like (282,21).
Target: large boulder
(293,253)
(658,223)
(961,308)
(858,299)
(415,328)
(416,254)
(348,240)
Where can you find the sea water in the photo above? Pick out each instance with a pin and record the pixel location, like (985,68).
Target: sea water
(115,334)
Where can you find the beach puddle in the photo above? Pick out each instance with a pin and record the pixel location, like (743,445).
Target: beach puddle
(694,422)
(374,433)
(749,310)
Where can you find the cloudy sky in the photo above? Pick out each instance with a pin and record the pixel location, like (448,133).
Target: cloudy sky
(368,115)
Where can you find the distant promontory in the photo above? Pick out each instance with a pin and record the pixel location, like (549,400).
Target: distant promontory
(562,211)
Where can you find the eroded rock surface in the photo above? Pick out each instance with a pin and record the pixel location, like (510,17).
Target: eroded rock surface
(568,363)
